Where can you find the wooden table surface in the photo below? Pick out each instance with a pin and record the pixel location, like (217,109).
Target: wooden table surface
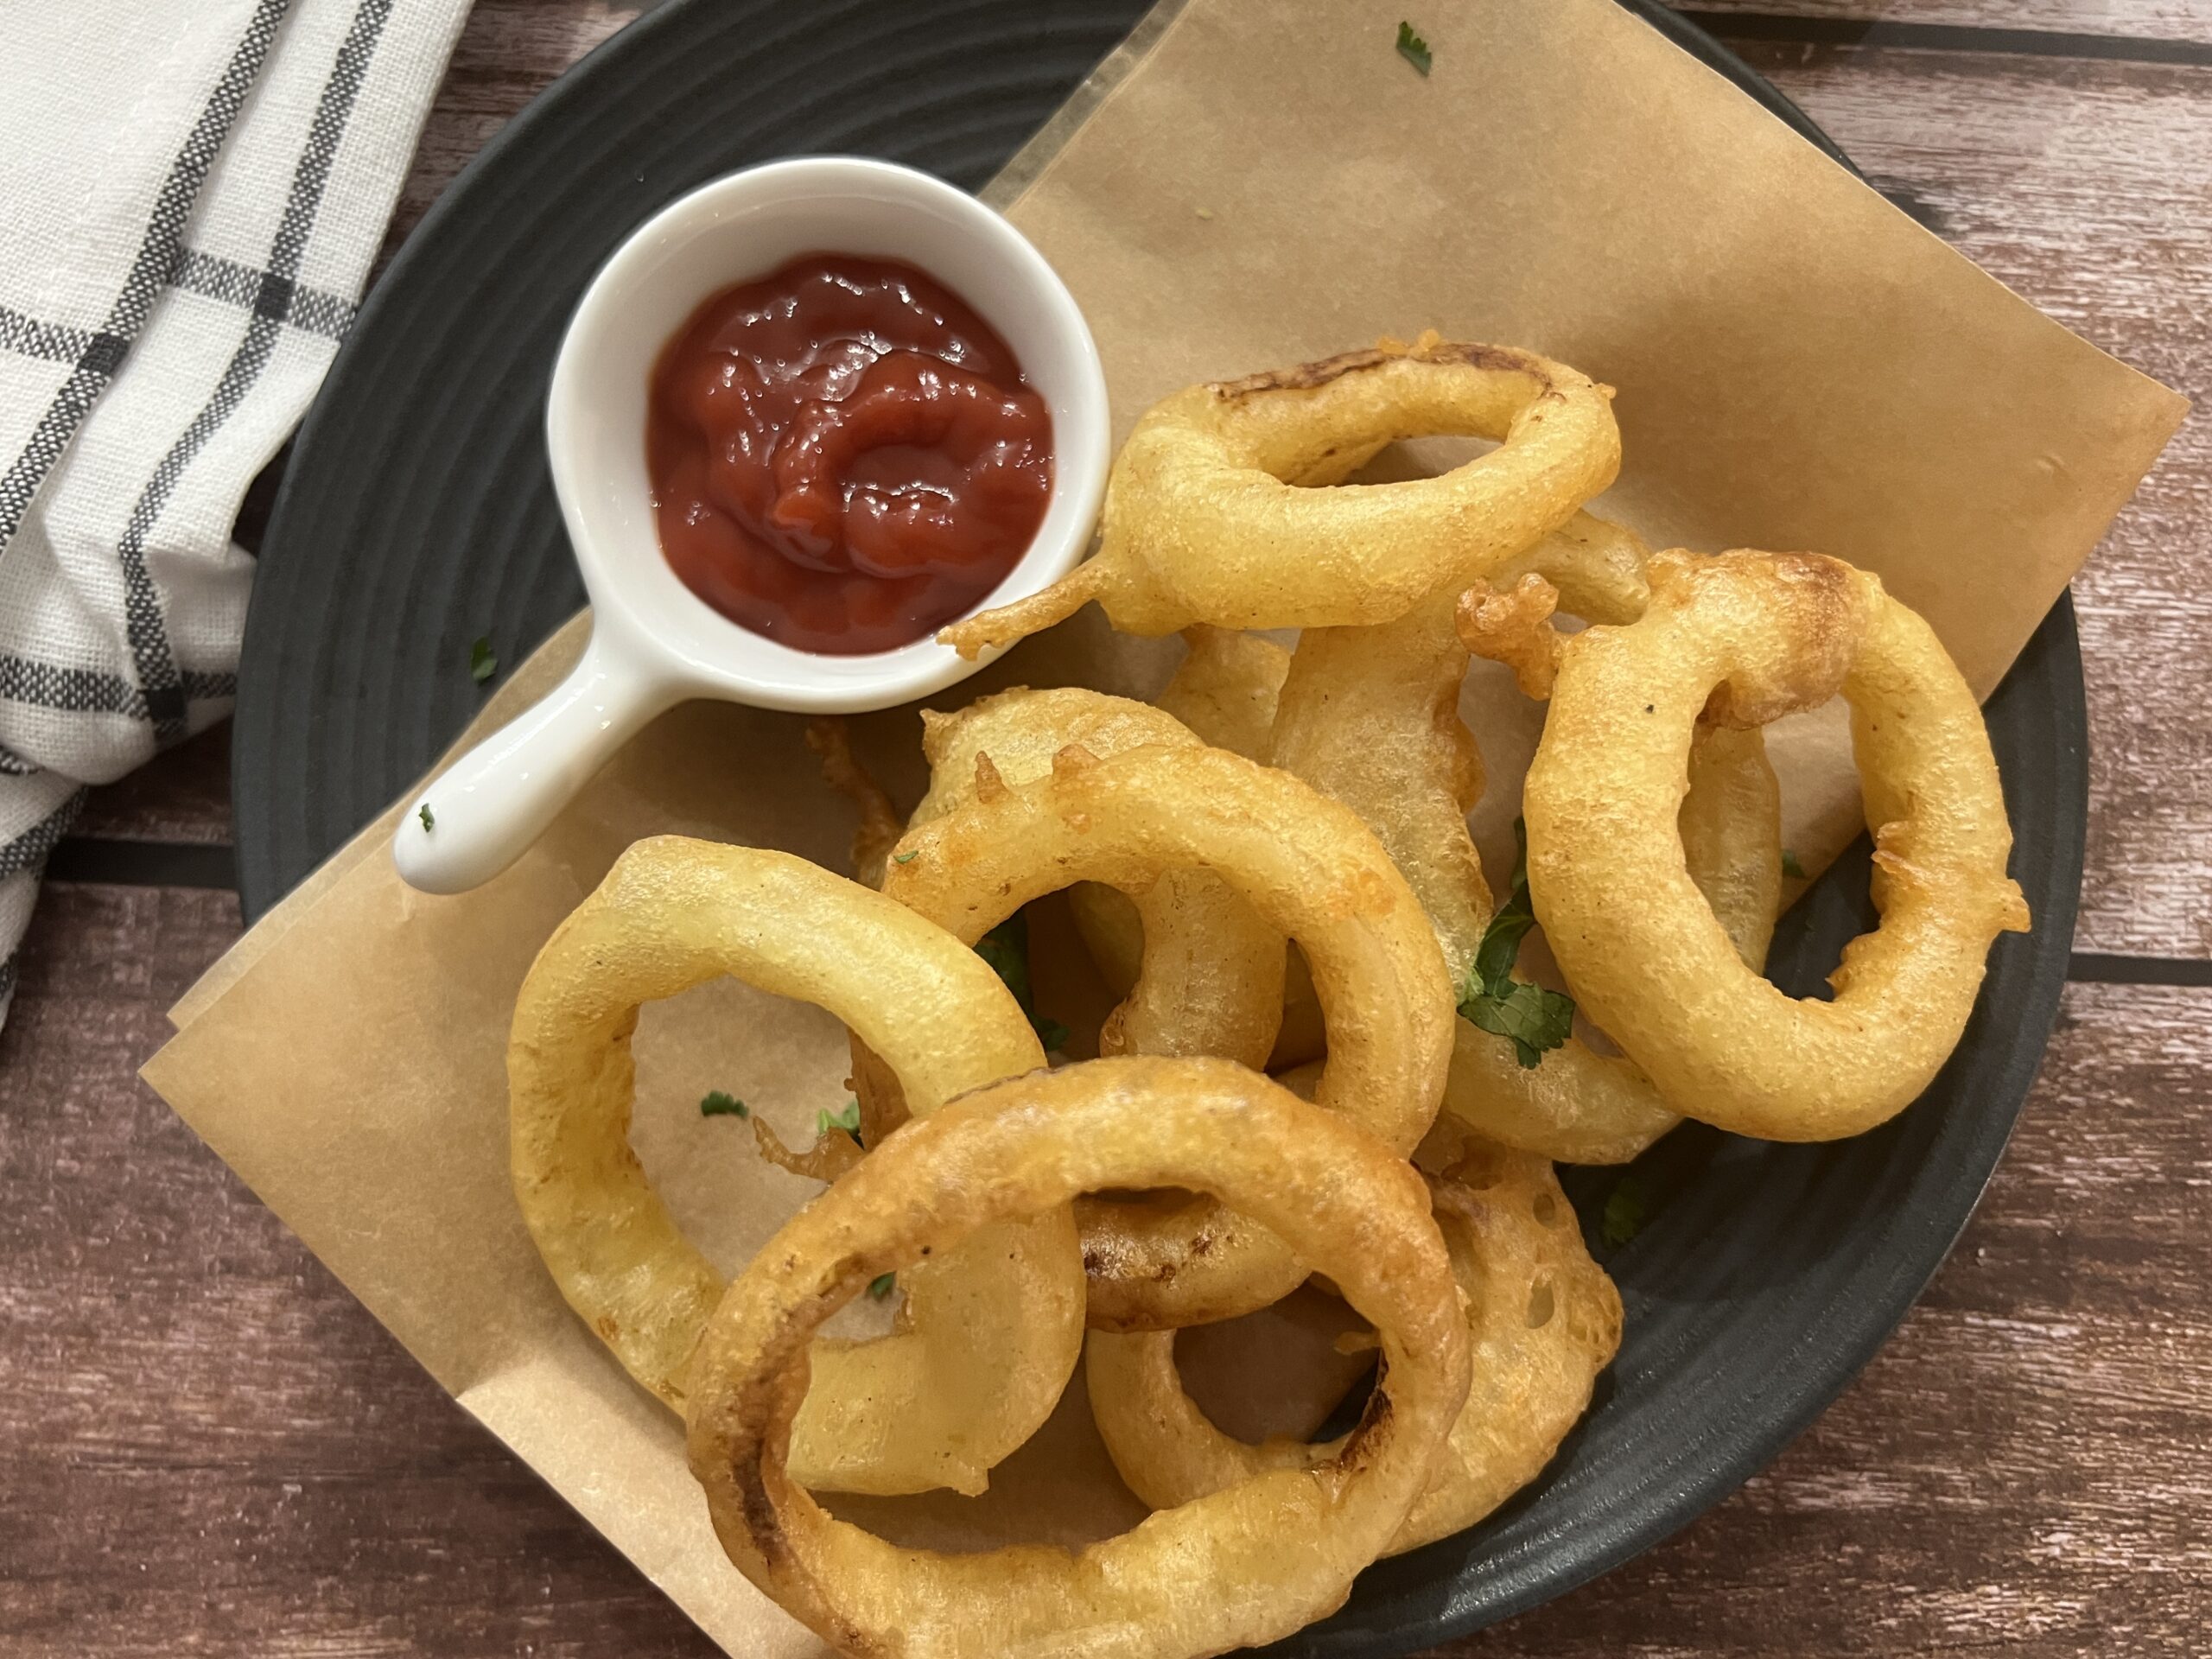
(206,1447)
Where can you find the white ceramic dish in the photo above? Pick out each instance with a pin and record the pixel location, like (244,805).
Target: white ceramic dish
(654,642)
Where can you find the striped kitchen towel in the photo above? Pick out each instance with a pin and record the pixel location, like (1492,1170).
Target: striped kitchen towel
(190,198)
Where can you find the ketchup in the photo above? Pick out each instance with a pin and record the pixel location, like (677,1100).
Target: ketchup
(843,455)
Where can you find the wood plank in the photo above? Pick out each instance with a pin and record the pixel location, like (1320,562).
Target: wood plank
(206,1445)
(2087,188)
(2170,20)
(182,795)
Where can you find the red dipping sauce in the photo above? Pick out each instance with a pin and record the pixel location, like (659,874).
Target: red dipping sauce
(844,456)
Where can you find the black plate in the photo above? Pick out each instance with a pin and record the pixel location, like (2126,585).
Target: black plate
(417,503)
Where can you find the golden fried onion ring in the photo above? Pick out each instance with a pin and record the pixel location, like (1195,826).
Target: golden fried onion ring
(1227,689)
(1206,521)
(1224,690)
(1208,974)
(1743,638)
(1312,871)
(1371,717)
(1585,1107)
(1542,1317)
(1241,1567)
(988,1337)
(1582,1106)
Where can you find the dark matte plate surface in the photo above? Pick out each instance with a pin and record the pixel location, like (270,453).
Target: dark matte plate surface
(417,503)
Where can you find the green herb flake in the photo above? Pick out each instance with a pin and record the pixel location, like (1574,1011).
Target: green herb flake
(1627,1208)
(882,1285)
(483,661)
(1533,1019)
(1412,48)
(423,813)
(1006,947)
(906,858)
(1790,866)
(848,1120)
(717,1102)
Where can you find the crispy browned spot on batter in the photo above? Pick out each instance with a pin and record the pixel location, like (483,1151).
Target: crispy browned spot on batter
(1513,627)
(1373,1429)
(990,785)
(1307,376)
(1826,613)
(763,1525)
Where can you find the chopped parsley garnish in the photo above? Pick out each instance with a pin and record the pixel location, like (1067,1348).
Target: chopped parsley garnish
(717,1102)
(483,661)
(906,858)
(1625,1208)
(1790,866)
(1006,947)
(848,1120)
(1532,1018)
(423,813)
(882,1285)
(1412,48)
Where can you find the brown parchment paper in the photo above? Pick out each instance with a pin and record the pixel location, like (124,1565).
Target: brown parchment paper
(1247,185)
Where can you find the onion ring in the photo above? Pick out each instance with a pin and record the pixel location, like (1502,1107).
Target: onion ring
(988,1336)
(1312,871)
(1205,520)
(1208,973)
(1371,717)
(1241,1567)
(1224,691)
(1597,566)
(1225,688)
(1227,691)
(1542,1319)
(1582,1106)
(1741,639)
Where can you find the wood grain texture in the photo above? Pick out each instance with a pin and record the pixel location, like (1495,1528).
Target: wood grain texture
(208,1447)
(507,51)
(2172,20)
(2087,188)
(183,795)
(2026,1468)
